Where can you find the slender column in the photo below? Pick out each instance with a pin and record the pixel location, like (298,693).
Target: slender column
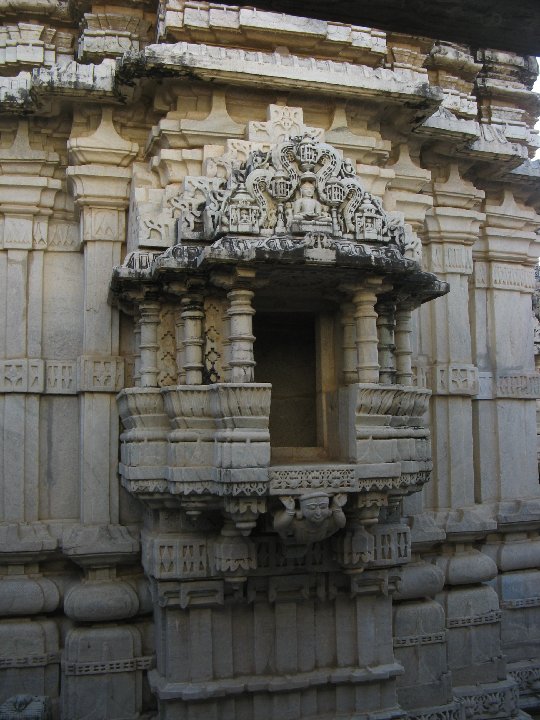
(241,336)
(403,346)
(386,324)
(367,355)
(149,342)
(349,343)
(193,316)
(179,332)
(137,365)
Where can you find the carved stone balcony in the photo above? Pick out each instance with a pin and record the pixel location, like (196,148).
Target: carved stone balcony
(273,451)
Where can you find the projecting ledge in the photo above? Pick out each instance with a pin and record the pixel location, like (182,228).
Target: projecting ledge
(271,683)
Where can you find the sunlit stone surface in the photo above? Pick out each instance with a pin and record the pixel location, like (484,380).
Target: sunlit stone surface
(268,382)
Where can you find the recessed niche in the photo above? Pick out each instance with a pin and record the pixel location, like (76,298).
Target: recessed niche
(285,353)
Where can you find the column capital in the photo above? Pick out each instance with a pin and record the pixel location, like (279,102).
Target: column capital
(27,192)
(100,172)
(240,277)
(103,186)
(103,147)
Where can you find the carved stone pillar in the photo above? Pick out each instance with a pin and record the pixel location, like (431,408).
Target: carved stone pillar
(137,343)
(403,350)
(386,324)
(349,343)
(149,322)
(192,318)
(240,314)
(179,336)
(367,353)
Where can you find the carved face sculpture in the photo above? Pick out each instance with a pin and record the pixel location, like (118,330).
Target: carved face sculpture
(307,190)
(315,508)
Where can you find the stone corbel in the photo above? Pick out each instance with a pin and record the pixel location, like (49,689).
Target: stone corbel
(317,518)
(234,554)
(404,193)
(244,512)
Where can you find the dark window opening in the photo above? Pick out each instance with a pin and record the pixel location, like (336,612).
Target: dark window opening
(285,353)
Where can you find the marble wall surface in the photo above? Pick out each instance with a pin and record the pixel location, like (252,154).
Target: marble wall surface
(268,390)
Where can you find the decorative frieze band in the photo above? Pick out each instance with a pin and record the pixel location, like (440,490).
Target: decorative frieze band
(180,558)
(493,616)
(512,277)
(179,19)
(447,712)
(392,545)
(301,479)
(518,603)
(414,640)
(226,64)
(28,661)
(100,374)
(518,386)
(296,480)
(22,375)
(455,379)
(525,386)
(189,558)
(62,377)
(448,258)
(112,666)
(495,700)
(39,234)
(526,674)
(504,276)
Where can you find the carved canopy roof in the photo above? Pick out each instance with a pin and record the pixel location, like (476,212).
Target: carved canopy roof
(293,207)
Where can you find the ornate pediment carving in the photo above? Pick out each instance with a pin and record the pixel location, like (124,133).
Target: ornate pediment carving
(299,186)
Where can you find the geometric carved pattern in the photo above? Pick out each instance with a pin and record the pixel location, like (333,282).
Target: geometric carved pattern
(112,666)
(494,616)
(414,640)
(213,339)
(24,661)
(168,373)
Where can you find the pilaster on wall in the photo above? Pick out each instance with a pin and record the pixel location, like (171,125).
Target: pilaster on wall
(27,193)
(451,228)
(504,422)
(100,176)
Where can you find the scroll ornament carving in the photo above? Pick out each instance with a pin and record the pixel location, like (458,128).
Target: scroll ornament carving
(301,186)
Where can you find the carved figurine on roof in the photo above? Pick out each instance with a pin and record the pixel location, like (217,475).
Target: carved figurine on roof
(299,186)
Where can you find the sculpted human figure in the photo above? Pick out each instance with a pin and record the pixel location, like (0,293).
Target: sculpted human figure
(316,520)
(307,207)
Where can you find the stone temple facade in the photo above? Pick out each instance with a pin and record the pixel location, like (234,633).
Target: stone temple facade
(268,384)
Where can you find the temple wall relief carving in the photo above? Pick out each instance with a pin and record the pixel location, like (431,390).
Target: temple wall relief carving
(268,388)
